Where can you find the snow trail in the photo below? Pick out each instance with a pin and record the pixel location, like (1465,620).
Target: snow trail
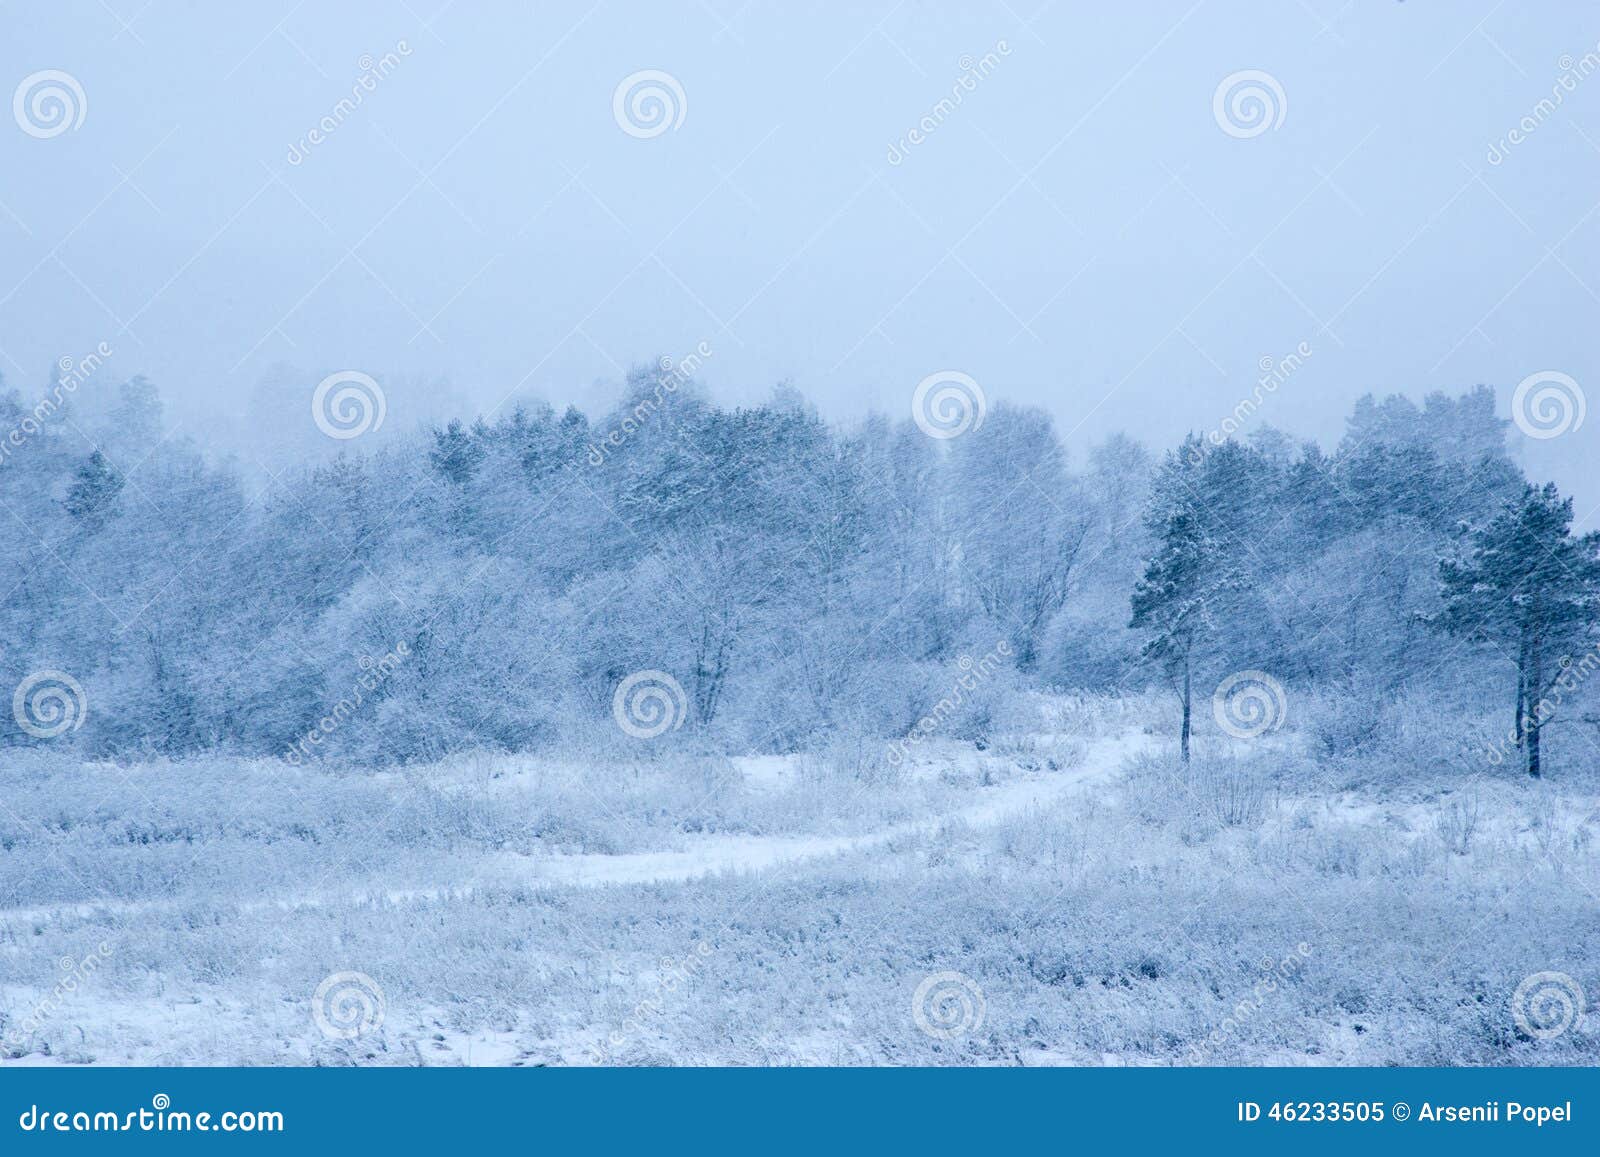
(710,856)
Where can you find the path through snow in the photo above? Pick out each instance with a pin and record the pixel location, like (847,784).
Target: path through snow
(710,855)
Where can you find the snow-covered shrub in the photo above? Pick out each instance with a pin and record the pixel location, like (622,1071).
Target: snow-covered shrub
(1345,719)
(1456,822)
(851,757)
(1360,735)
(1235,791)
(1096,716)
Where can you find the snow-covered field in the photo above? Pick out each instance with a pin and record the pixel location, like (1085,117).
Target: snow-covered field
(1065,896)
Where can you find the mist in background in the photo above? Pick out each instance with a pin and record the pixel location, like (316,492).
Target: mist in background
(1079,230)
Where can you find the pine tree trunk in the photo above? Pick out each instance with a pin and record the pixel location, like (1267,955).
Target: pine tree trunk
(1183,738)
(1522,694)
(1535,684)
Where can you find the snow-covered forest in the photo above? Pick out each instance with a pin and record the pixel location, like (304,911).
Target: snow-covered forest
(797,580)
(871,534)
(687,733)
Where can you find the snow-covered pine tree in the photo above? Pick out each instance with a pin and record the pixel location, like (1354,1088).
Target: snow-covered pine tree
(94,488)
(1188,571)
(1526,583)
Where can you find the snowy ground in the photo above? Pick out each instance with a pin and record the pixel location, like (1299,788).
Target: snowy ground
(1066,897)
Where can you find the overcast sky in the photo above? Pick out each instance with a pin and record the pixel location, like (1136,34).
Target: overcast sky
(1086,230)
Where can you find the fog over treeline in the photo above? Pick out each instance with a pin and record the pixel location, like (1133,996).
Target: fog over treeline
(487,583)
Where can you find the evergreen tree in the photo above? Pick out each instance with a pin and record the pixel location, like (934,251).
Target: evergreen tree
(1186,576)
(1528,584)
(457,453)
(94,489)
(1169,602)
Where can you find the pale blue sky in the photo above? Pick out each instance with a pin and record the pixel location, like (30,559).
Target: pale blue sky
(1079,233)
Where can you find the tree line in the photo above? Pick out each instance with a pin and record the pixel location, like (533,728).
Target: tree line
(797,578)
